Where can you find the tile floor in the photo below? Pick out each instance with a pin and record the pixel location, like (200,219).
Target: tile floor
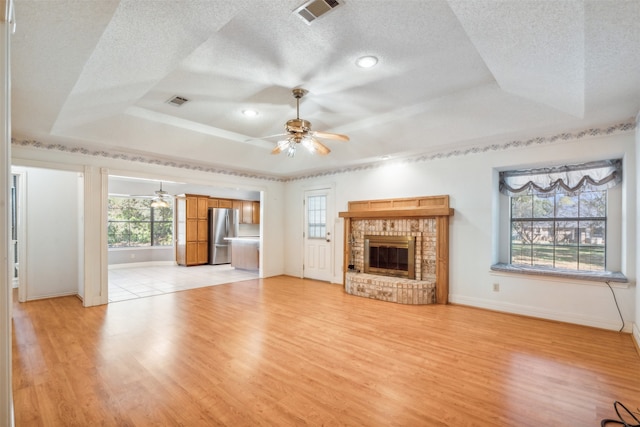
(138,282)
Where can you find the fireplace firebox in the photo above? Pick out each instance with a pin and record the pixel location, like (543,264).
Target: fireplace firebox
(390,255)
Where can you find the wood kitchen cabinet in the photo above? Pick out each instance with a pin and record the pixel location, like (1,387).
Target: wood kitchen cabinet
(249,211)
(255,209)
(225,203)
(192,230)
(220,203)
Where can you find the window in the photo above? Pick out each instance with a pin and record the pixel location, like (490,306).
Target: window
(560,229)
(133,222)
(558,216)
(317,217)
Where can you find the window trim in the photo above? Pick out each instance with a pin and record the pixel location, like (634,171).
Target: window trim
(615,252)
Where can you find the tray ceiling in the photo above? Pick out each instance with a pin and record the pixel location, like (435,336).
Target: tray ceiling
(450,74)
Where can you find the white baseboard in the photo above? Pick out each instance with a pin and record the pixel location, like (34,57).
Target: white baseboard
(62,294)
(540,313)
(141,264)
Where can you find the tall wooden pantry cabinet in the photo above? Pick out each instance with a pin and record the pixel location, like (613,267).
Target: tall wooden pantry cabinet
(191,230)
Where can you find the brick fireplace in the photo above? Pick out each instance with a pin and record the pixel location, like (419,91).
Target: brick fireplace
(415,275)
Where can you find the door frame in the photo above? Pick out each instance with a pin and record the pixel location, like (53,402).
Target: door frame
(331,220)
(21,220)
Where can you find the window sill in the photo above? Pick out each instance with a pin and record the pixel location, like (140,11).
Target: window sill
(594,276)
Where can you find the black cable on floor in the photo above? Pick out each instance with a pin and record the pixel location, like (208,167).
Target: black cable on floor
(617,306)
(623,420)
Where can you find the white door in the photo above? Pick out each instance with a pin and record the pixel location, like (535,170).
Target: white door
(318,235)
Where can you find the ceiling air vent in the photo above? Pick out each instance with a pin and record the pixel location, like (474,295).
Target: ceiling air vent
(177,101)
(314,9)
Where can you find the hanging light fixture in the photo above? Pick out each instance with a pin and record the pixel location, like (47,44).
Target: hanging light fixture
(159,203)
(160,200)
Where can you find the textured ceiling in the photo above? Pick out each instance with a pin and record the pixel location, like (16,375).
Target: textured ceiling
(97,74)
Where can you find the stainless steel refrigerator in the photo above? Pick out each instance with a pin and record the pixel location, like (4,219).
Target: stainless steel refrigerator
(222,223)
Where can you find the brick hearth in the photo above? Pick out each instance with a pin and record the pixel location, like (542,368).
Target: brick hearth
(392,289)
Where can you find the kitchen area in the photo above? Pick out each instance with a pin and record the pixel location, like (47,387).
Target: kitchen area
(217,231)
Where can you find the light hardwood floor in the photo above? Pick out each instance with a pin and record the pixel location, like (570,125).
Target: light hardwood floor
(287,351)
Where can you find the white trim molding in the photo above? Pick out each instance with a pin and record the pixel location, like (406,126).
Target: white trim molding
(6,291)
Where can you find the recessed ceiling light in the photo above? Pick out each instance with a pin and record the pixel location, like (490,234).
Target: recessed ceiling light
(366,61)
(385,157)
(250,113)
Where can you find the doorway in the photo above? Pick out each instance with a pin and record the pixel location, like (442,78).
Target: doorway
(14,249)
(318,235)
(141,262)
(46,229)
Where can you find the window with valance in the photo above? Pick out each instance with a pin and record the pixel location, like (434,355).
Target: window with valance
(558,215)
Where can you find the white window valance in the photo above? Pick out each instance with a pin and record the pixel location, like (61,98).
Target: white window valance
(599,175)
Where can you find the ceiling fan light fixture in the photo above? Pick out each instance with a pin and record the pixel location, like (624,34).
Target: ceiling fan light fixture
(291,150)
(159,203)
(308,144)
(368,61)
(298,131)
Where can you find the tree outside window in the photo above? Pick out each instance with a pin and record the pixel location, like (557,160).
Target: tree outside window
(560,229)
(133,222)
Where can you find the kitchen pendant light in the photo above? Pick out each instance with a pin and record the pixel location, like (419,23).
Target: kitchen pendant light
(159,203)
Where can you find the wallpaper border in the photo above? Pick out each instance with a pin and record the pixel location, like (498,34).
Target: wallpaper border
(619,128)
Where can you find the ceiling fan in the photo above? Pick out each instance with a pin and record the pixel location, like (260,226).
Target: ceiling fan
(162,199)
(299,132)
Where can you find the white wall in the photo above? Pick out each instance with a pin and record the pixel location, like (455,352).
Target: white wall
(157,255)
(51,232)
(471,183)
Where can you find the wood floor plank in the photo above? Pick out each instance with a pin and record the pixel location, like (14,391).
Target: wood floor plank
(288,351)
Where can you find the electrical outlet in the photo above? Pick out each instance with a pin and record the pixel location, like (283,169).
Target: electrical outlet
(496,287)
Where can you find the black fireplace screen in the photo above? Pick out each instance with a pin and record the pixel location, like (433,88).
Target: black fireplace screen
(390,256)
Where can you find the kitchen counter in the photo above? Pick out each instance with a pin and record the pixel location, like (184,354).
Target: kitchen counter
(247,239)
(245,252)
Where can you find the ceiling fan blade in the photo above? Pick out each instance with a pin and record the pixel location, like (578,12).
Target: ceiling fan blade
(315,146)
(281,145)
(329,135)
(271,136)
